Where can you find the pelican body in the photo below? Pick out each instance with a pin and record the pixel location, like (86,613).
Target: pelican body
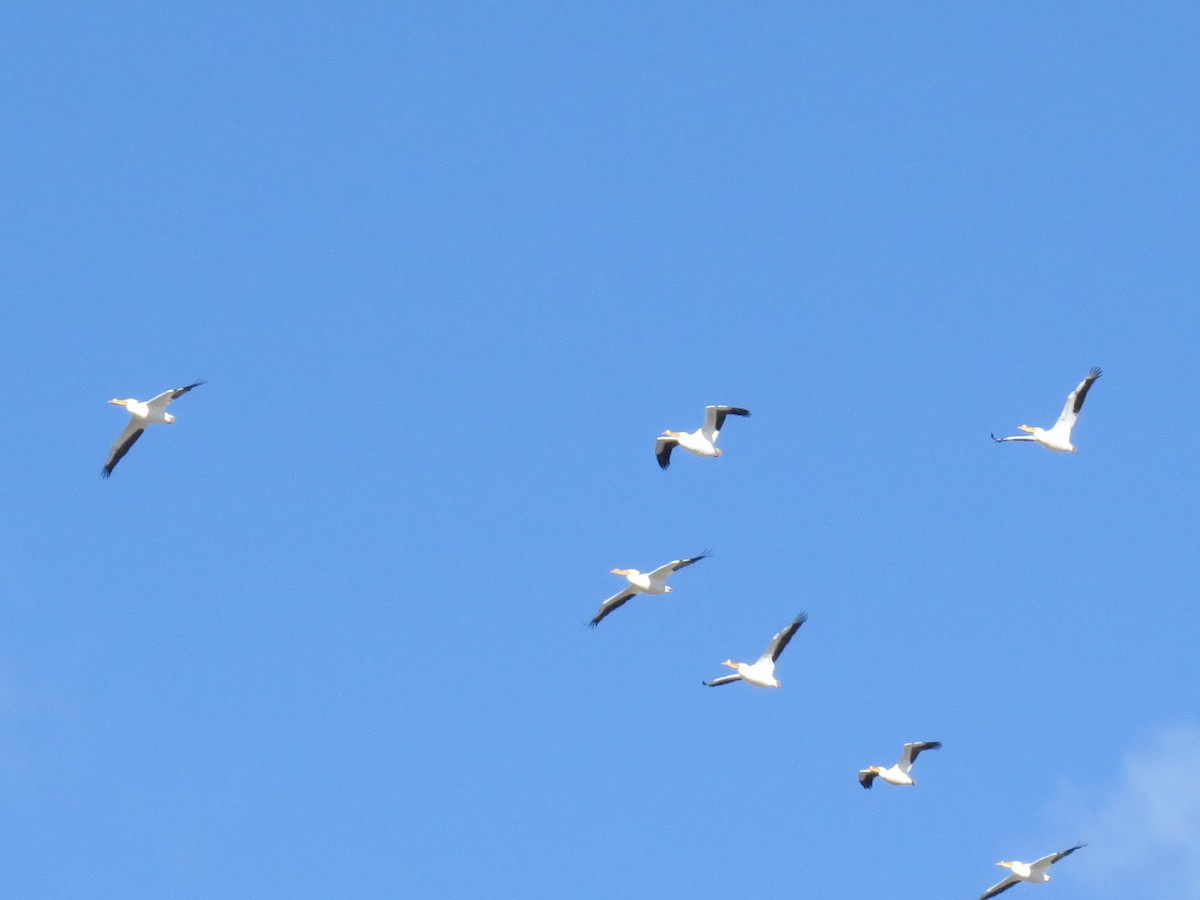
(702,441)
(141,414)
(761,673)
(654,582)
(1031,873)
(899,773)
(1058,438)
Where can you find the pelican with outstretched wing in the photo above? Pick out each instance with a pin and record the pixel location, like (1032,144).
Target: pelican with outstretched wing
(654,582)
(1058,438)
(1032,873)
(702,441)
(899,773)
(762,672)
(141,414)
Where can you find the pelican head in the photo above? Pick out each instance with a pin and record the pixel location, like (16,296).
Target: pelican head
(730,663)
(620,571)
(669,433)
(115,402)
(1027,429)
(1004,864)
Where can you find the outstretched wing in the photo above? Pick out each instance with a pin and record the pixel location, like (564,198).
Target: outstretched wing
(714,418)
(613,602)
(1075,400)
(166,397)
(908,755)
(999,887)
(675,565)
(726,679)
(1015,437)
(125,440)
(1046,861)
(662,450)
(780,641)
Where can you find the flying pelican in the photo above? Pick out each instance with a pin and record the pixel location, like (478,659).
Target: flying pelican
(762,673)
(1059,437)
(141,414)
(643,583)
(1034,872)
(897,774)
(702,441)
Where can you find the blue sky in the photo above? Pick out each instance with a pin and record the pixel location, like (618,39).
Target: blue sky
(447,273)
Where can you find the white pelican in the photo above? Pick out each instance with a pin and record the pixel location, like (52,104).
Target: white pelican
(762,673)
(702,441)
(1034,872)
(141,414)
(1059,437)
(897,774)
(643,583)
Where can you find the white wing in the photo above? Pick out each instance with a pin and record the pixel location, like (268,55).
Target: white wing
(613,602)
(161,401)
(1047,861)
(909,754)
(714,419)
(726,679)
(999,887)
(125,440)
(1070,412)
(662,572)
(780,641)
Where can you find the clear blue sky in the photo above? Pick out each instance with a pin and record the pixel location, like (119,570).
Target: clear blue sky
(448,269)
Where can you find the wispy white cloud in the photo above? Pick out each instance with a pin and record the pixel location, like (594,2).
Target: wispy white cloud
(1143,827)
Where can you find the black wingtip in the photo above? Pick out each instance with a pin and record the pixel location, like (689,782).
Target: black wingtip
(104,473)
(996,439)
